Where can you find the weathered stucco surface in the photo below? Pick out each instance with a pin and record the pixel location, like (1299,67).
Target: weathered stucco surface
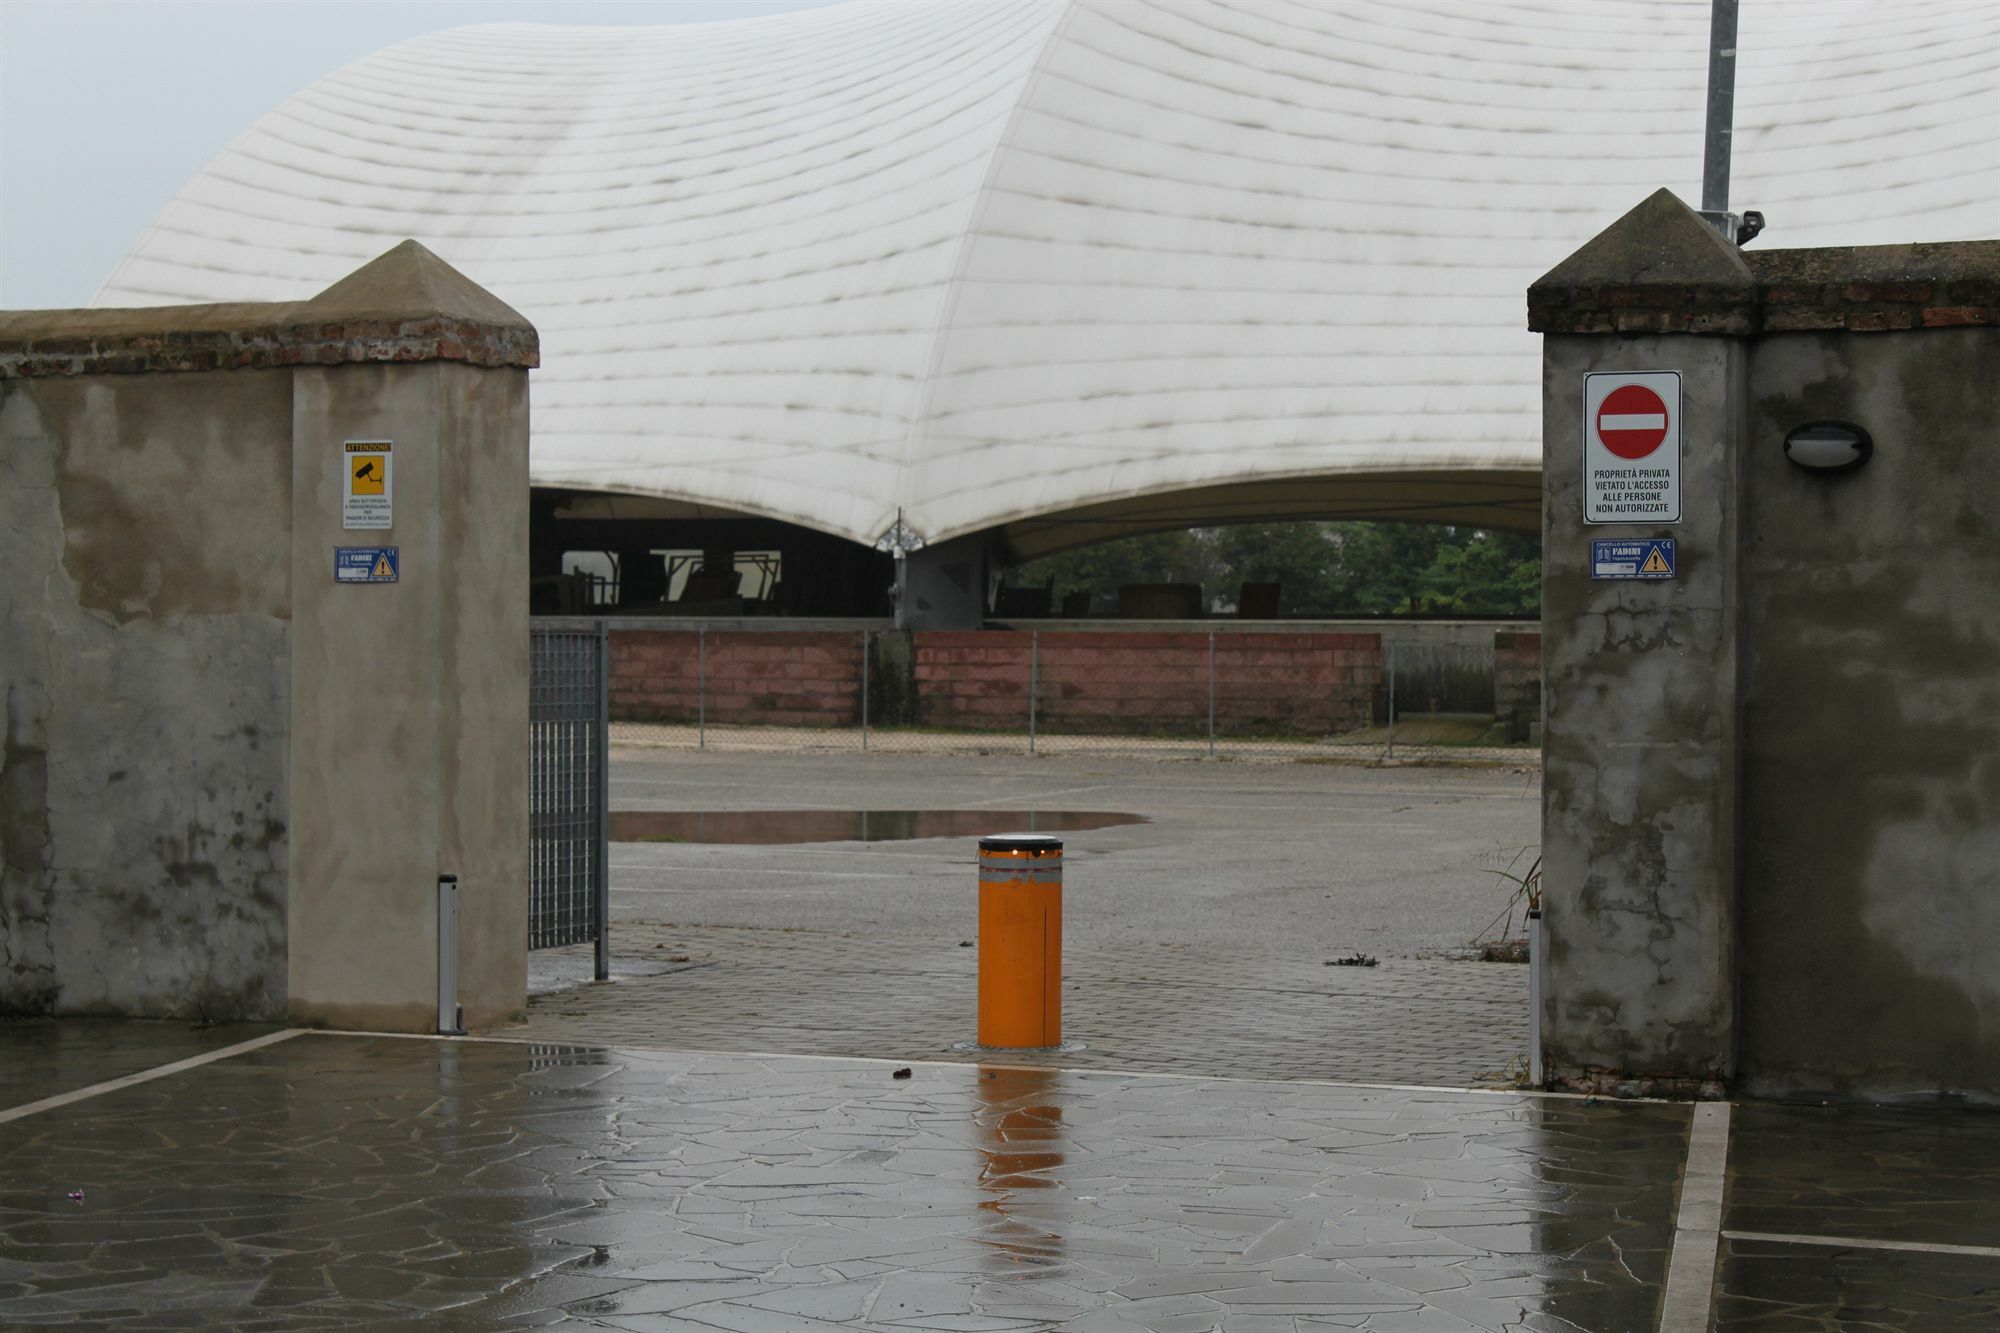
(1640,734)
(1772,796)
(144,658)
(1871,758)
(422,685)
(227,786)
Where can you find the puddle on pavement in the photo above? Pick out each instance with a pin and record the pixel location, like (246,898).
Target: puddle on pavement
(768,827)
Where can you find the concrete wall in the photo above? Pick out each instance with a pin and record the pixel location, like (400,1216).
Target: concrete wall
(1772,783)
(419,684)
(144,656)
(1871,725)
(1639,747)
(229,785)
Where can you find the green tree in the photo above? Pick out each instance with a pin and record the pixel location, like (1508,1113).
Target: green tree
(1326,569)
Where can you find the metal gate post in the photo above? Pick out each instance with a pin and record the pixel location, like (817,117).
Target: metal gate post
(701,687)
(1211,694)
(864,688)
(1392,699)
(1535,1072)
(601,805)
(448,1023)
(1034,681)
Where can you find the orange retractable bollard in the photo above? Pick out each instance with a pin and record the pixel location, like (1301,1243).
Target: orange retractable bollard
(1020,941)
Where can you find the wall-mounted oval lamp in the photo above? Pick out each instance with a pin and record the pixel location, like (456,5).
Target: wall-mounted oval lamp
(1829,446)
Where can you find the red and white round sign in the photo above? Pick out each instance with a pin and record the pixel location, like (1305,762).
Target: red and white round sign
(1632,421)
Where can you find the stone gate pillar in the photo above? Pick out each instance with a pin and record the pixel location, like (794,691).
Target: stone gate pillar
(264,654)
(1641,673)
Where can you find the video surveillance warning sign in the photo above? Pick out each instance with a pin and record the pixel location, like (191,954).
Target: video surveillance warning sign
(1632,447)
(368,488)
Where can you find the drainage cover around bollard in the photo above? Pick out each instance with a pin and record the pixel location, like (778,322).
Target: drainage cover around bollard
(1020,945)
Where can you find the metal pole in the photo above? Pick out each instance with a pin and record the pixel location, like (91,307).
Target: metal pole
(864,689)
(601,801)
(1392,699)
(447,970)
(1211,694)
(1535,1075)
(1034,681)
(701,687)
(1721,106)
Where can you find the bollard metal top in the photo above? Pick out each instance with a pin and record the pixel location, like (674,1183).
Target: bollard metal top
(1022,844)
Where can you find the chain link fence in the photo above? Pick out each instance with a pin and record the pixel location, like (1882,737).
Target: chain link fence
(1171,694)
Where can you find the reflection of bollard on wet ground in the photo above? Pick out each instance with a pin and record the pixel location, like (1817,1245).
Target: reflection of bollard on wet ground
(1020,941)
(1023,1145)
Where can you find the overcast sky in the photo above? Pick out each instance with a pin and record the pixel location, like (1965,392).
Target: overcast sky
(107,108)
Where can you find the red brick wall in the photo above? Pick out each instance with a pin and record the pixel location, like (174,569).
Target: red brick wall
(1140,683)
(785,678)
(975,679)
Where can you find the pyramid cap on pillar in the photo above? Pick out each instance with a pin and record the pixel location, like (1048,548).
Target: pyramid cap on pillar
(1658,269)
(410,283)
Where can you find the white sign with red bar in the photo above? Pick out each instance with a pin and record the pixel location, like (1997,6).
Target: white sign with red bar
(1632,447)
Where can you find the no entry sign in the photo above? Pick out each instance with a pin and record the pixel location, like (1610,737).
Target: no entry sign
(1632,447)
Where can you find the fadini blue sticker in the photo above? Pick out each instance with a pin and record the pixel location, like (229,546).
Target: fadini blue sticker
(364,564)
(1647,558)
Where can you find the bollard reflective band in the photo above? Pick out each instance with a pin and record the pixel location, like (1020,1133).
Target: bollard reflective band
(1020,844)
(1020,858)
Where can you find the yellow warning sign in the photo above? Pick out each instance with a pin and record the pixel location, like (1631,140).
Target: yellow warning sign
(1656,564)
(368,492)
(383,569)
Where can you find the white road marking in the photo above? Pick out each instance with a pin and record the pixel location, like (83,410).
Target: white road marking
(146,1076)
(1690,1294)
(1850,1243)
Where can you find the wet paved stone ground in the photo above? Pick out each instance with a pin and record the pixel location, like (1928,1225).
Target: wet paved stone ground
(1827,1177)
(1140,1005)
(332,1181)
(43,1057)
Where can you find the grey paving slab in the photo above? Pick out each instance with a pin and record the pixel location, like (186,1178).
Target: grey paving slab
(341,1182)
(1242,860)
(1196,942)
(1164,1007)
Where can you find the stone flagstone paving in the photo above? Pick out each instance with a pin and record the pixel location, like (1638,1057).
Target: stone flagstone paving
(333,1181)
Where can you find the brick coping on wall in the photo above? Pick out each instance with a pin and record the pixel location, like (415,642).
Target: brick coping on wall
(1856,289)
(406,306)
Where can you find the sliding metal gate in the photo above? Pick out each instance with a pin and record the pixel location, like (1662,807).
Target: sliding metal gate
(569,883)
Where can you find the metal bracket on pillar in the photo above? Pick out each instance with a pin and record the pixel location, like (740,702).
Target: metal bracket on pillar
(450,1019)
(898,540)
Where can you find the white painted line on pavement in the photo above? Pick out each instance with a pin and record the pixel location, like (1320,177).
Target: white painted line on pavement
(1850,1243)
(146,1076)
(1687,1304)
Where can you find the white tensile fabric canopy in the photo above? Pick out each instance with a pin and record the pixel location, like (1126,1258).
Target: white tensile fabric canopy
(978,262)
